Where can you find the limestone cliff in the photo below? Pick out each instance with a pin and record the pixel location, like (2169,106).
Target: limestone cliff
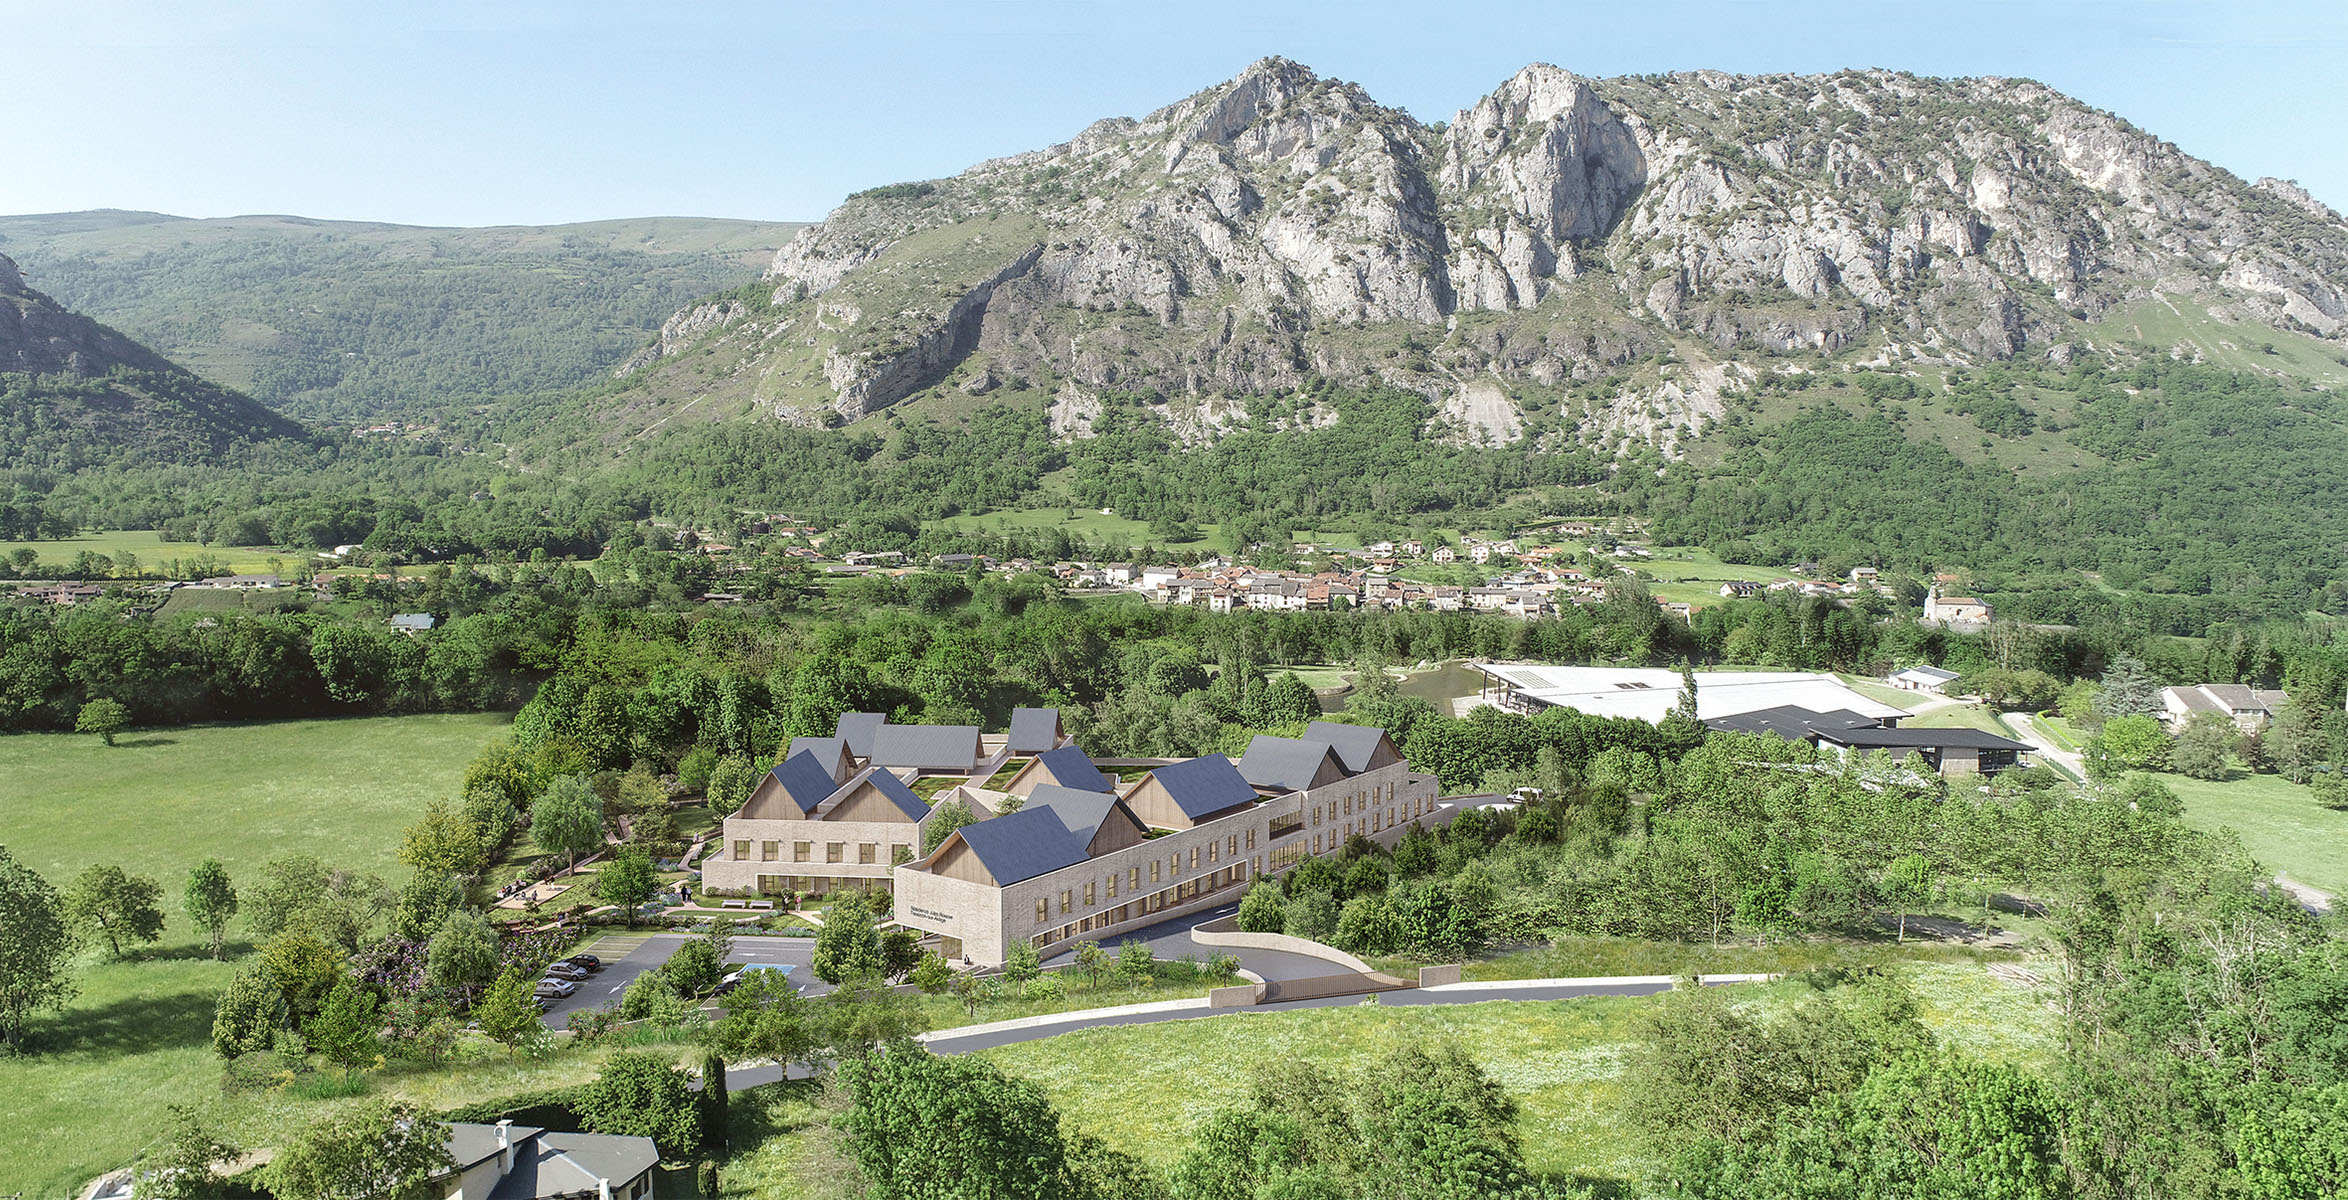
(1284,226)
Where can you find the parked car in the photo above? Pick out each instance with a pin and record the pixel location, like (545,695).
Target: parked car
(566,970)
(587,961)
(555,989)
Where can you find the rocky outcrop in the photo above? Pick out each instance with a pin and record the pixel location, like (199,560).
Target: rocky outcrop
(1284,226)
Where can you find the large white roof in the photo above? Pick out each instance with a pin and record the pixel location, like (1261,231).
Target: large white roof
(1648,693)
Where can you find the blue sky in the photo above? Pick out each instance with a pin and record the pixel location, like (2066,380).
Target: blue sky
(530,113)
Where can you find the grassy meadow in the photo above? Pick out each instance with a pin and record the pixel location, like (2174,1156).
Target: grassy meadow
(152,551)
(2280,822)
(99,1076)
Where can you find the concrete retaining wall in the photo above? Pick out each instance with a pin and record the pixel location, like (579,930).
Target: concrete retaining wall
(1439,975)
(1237,996)
(1226,932)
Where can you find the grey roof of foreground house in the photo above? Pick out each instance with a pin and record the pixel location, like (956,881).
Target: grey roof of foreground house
(470,1142)
(1081,811)
(925,747)
(857,729)
(824,748)
(1287,764)
(1355,743)
(1204,786)
(1072,767)
(1034,841)
(572,1164)
(1033,730)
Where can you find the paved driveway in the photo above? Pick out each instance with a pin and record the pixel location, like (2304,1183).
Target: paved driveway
(626,956)
(1172,940)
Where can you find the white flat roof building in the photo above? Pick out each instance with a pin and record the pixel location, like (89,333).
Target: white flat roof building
(1648,693)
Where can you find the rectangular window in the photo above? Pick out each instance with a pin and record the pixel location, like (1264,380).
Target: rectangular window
(1112,886)
(1174,864)
(835,852)
(1349,806)
(1210,852)
(769,851)
(1194,858)
(1066,897)
(1283,826)
(1316,814)
(867,853)
(1133,879)
(1251,838)
(1043,910)
(741,849)
(1153,870)
(1091,895)
(899,852)
(802,851)
(1231,844)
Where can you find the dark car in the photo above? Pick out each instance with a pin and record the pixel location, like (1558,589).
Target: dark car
(585,962)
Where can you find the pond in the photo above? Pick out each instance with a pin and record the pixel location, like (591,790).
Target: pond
(1438,685)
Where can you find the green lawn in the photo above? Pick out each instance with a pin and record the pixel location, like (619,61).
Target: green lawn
(137,1039)
(1561,1060)
(152,551)
(2278,820)
(1961,716)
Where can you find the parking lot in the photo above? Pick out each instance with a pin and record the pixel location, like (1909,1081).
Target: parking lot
(626,956)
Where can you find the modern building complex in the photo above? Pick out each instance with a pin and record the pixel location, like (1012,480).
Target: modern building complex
(1649,693)
(1083,860)
(1948,752)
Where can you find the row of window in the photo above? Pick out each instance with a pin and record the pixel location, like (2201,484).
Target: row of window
(1093,890)
(867,853)
(1181,893)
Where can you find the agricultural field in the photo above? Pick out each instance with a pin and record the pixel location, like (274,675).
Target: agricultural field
(1691,575)
(153,552)
(137,1039)
(2278,820)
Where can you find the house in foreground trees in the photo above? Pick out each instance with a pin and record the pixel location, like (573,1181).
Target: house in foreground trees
(1096,857)
(1948,752)
(2247,707)
(506,1161)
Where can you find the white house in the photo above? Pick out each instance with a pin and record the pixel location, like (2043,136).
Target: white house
(1921,679)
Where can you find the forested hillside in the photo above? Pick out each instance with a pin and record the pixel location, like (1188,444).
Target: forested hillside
(351,321)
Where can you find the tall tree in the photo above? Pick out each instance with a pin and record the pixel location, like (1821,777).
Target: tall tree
(106,718)
(2129,690)
(628,880)
(377,1151)
(444,841)
(346,1026)
(462,955)
(115,905)
(640,1095)
(248,1014)
(567,818)
(36,948)
(924,1126)
(508,1012)
(210,902)
(848,945)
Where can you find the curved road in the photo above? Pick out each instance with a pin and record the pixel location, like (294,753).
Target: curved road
(1171,940)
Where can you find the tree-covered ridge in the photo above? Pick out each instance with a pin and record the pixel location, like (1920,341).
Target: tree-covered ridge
(349,321)
(131,418)
(2218,495)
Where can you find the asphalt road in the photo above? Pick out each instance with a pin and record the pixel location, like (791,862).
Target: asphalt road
(1172,940)
(605,986)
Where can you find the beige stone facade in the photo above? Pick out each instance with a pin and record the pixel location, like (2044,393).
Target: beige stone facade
(807,855)
(1171,872)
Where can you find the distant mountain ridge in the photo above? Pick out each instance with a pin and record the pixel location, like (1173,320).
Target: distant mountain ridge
(355,320)
(1515,260)
(76,394)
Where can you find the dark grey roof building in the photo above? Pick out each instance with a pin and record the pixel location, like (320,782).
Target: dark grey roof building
(801,781)
(521,1162)
(1278,764)
(857,729)
(1033,730)
(1363,747)
(940,748)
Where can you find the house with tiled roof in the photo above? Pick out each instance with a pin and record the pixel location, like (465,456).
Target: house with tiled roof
(2247,707)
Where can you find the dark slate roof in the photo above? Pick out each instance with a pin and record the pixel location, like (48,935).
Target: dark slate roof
(1896,739)
(1081,811)
(1791,722)
(1034,841)
(929,747)
(1354,743)
(857,729)
(824,748)
(1285,763)
(569,1164)
(806,779)
(1204,786)
(470,1142)
(891,787)
(1033,730)
(1072,767)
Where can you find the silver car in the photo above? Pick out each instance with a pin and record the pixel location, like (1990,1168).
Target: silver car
(555,989)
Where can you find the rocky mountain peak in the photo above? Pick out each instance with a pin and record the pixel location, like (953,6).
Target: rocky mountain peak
(1283,226)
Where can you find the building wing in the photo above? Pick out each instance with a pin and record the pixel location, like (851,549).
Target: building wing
(1033,730)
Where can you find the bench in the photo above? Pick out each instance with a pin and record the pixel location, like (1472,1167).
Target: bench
(768,905)
(737,904)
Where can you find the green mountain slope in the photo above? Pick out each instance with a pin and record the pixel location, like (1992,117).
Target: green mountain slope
(350,321)
(75,394)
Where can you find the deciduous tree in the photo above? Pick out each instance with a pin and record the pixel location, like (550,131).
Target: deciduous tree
(115,905)
(378,1151)
(36,948)
(567,818)
(346,1026)
(848,945)
(106,718)
(508,1012)
(628,880)
(210,902)
(640,1095)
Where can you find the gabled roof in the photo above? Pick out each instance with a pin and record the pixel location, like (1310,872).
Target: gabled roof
(857,729)
(1792,722)
(1355,744)
(1287,764)
(1943,676)
(1070,766)
(803,779)
(887,784)
(1081,811)
(571,1164)
(830,751)
(925,747)
(1204,786)
(1894,739)
(471,1142)
(1022,845)
(1033,730)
